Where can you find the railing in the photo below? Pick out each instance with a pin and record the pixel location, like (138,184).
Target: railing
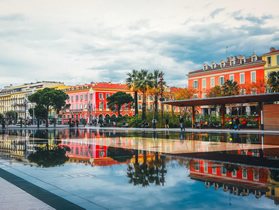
(76,110)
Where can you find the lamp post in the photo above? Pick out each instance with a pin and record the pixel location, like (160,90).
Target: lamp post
(25,104)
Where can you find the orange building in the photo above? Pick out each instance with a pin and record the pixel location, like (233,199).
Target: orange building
(243,70)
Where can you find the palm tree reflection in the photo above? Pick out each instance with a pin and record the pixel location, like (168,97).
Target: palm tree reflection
(147,172)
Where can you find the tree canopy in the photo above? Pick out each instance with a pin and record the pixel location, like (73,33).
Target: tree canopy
(48,98)
(273,81)
(131,82)
(115,101)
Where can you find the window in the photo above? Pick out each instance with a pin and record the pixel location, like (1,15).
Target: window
(269,61)
(253,76)
(107,106)
(212,82)
(232,77)
(85,96)
(81,97)
(213,66)
(72,98)
(223,65)
(223,170)
(91,96)
(85,106)
(234,173)
(101,105)
(76,97)
(195,96)
(221,80)
(232,63)
(214,170)
(244,173)
(254,58)
(256,175)
(197,165)
(195,84)
(204,67)
(126,106)
(140,106)
(203,95)
(101,96)
(242,91)
(107,95)
(242,61)
(242,78)
(277,60)
(205,167)
(81,106)
(139,96)
(68,116)
(203,83)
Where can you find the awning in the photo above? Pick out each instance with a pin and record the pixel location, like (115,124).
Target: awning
(226,100)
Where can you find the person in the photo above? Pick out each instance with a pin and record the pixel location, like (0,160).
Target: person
(154,123)
(146,124)
(205,124)
(236,126)
(3,124)
(181,121)
(113,124)
(77,123)
(244,122)
(167,123)
(201,125)
(69,123)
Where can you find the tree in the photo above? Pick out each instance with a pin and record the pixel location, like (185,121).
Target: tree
(273,81)
(131,83)
(47,99)
(115,101)
(230,88)
(184,93)
(1,117)
(11,115)
(142,83)
(213,92)
(255,87)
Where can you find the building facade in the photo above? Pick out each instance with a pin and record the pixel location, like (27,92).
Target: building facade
(243,70)
(15,98)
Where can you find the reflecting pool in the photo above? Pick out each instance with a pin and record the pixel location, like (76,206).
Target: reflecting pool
(111,169)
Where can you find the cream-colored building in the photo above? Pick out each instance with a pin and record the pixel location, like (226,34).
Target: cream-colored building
(271,61)
(15,98)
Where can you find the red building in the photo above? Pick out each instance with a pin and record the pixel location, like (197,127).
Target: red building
(89,101)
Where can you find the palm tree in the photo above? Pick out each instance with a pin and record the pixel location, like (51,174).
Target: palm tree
(143,81)
(230,88)
(156,76)
(273,81)
(131,83)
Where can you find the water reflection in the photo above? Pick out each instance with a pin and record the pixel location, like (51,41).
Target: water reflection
(242,165)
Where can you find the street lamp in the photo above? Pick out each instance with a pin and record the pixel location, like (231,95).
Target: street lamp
(25,104)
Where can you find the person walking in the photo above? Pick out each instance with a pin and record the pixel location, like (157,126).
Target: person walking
(167,123)
(231,124)
(181,121)
(154,123)
(236,126)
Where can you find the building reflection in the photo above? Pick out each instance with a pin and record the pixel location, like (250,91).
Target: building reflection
(240,172)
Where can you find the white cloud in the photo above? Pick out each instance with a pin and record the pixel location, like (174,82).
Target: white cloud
(101,40)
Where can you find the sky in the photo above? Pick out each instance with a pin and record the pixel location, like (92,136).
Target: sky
(79,42)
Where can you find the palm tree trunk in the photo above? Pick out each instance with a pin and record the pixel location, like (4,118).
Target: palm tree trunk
(136,103)
(143,105)
(156,104)
(47,117)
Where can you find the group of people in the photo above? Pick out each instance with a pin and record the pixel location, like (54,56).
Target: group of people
(235,124)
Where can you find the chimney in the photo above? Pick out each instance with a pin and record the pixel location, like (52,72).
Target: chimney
(272,49)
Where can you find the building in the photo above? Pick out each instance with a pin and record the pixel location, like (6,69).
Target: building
(244,70)
(89,102)
(15,98)
(271,62)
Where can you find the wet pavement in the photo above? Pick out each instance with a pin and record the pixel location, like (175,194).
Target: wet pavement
(116,169)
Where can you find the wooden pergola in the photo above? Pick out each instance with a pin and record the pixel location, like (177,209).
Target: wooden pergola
(259,98)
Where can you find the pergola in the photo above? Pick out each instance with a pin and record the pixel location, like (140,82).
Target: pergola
(259,98)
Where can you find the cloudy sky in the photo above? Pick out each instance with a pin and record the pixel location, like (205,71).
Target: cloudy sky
(78,42)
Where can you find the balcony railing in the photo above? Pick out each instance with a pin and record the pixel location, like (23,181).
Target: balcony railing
(76,110)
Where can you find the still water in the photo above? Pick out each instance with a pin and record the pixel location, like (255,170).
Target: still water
(110,169)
